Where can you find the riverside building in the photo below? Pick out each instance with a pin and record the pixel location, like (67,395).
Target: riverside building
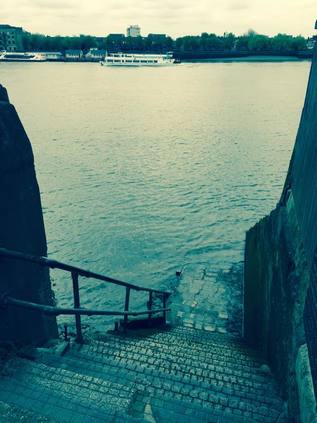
(134,31)
(10,38)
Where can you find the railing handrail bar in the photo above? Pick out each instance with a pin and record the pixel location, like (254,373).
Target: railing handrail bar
(54,264)
(56,311)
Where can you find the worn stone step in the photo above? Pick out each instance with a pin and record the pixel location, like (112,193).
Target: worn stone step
(62,394)
(203,339)
(190,369)
(203,336)
(155,379)
(151,387)
(12,414)
(147,363)
(180,375)
(163,410)
(214,356)
(212,344)
(210,359)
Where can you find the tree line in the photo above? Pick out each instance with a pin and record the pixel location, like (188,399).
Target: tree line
(250,42)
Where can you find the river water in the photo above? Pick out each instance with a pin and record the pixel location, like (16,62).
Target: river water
(145,170)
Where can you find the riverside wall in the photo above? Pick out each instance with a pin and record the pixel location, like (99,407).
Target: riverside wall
(21,229)
(280,290)
(214,55)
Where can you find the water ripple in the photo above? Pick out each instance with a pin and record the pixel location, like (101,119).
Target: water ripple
(141,172)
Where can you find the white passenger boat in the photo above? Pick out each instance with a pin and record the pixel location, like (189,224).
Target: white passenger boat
(21,57)
(133,59)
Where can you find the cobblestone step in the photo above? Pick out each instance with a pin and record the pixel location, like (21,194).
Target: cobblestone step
(202,343)
(181,375)
(12,414)
(191,368)
(202,340)
(62,395)
(165,410)
(160,373)
(183,353)
(91,363)
(162,377)
(199,402)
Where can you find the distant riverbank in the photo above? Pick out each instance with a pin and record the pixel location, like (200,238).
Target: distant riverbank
(260,59)
(248,59)
(95,55)
(243,56)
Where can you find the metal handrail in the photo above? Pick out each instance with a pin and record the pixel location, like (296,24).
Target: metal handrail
(54,264)
(57,311)
(78,311)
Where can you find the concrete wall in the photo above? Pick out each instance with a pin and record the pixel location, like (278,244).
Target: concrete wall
(21,229)
(279,270)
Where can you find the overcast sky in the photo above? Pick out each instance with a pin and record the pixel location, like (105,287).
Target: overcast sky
(173,17)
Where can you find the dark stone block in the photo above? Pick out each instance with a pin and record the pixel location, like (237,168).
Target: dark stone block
(21,229)
(3,94)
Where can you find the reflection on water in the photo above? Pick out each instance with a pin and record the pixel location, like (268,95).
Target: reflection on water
(144,170)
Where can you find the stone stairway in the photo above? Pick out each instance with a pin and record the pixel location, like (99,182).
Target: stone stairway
(178,375)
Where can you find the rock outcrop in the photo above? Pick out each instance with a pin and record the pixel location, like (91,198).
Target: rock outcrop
(280,273)
(21,229)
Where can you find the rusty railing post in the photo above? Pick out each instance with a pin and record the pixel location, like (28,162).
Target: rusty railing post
(79,334)
(126,308)
(150,305)
(164,306)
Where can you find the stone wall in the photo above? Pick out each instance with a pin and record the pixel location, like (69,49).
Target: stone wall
(279,271)
(21,229)
(276,281)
